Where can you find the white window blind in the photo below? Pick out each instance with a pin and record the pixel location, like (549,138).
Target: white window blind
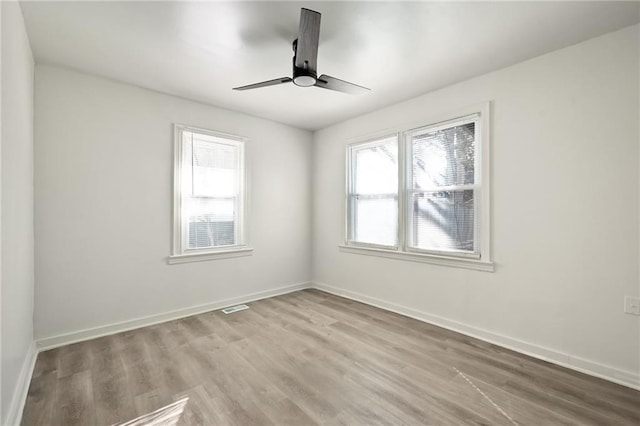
(443,192)
(210,170)
(373,192)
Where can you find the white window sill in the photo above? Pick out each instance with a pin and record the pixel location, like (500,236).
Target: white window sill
(457,262)
(198,257)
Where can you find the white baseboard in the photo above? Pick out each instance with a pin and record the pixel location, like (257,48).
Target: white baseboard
(16,406)
(602,371)
(104,330)
(615,375)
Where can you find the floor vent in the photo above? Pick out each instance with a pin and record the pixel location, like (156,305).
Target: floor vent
(236,308)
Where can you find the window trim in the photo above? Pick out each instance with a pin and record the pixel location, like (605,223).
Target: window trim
(182,254)
(458,262)
(483,261)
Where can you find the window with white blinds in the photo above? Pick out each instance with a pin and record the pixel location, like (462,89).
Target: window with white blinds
(210,191)
(441,201)
(423,192)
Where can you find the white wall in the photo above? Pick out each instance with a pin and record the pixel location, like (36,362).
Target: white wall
(564,210)
(17,208)
(103,194)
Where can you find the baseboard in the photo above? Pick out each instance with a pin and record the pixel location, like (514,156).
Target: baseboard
(16,406)
(602,371)
(105,330)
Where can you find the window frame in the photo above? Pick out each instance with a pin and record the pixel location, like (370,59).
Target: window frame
(476,187)
(350,229)
(181,253)
(482,181)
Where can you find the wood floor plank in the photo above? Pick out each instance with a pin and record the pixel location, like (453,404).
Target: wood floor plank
(105,357)
(46,362)
(382,367)
(41,398)
(228,405)
(113,399)
(151,401)
(133,348)
(520,410)
(73,359)
(332,388)
(195,327)
(199,409)
(143,377)
(311,358)
(74,404)
(221,327)
(278,372)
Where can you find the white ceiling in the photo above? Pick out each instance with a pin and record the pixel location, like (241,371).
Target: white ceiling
(400,50)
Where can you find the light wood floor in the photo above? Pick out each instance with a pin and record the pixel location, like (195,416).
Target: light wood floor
(311,358)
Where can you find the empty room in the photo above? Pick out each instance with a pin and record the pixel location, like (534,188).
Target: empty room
(319,213)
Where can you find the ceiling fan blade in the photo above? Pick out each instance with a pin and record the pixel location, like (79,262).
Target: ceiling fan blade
(308,38)
(332,83)
(273,82)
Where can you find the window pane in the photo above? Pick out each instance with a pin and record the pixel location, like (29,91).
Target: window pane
(373,192)
(444,157)
(444,220)
(376,168)
(211,222)
(215,169)
(376,221)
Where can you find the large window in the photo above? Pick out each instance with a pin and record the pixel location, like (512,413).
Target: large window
(209,185)
(423,193)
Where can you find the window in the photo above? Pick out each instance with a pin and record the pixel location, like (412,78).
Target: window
(442,189)
(209,203)
(430,202)
(373,193)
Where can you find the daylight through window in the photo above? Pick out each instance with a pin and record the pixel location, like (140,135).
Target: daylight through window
(420,191)
(441,204)
(211,191)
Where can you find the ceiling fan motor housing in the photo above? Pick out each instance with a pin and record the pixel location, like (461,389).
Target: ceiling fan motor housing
(303,77)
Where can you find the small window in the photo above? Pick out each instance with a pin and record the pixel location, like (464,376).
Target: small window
(373,193)
(209,192)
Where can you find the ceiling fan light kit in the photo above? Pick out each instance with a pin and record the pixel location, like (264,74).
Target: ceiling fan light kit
(305,57)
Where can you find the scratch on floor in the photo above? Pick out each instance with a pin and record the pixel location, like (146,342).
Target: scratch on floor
(485,396)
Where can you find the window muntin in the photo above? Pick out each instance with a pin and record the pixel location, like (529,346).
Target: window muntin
(443,193)
(373,193)
(211,197)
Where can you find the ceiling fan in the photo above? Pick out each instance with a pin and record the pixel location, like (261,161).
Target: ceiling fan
(305,55)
